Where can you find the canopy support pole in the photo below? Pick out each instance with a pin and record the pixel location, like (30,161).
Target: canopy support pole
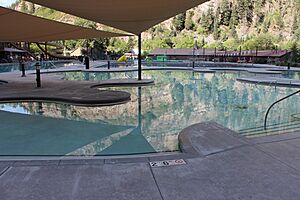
(140,57)
(140,109)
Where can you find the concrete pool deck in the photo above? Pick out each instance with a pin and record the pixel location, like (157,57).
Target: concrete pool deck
(271,81)
(220,164)
(224,165)
(16,89)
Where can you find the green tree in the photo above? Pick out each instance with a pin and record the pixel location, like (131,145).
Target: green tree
(31,8)
(216,31)
(231,44)
(183,41)
(189,24)
(156,43)
(277,20)
(225,12)
(207,21)
(295,24)
(179,22)
(23,6)
(245,10)
(294,58)
(234,20)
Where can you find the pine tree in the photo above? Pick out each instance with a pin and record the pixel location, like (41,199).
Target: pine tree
(295,24)
(210,19)
(189,24)
(225,11)
(245,10)
(204,23)
(234,16)
(31,8)
(179,22)
(216,31)
(23,6)
(249,11)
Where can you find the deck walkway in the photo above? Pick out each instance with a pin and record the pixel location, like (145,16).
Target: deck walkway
(54,89)
(274,81)
(219,165)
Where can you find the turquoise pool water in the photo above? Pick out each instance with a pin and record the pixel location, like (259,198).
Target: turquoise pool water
(10,67)
(292,75)
(150,122)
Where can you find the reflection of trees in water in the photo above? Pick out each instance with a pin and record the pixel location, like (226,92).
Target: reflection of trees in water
(97,76)
(179,99)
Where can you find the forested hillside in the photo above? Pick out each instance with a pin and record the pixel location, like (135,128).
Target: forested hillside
(266,24)
(232,23)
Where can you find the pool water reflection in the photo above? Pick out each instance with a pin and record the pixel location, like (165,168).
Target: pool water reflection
(157,113)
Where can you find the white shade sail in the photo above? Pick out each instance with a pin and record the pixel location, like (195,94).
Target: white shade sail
(134,16)
(21,27)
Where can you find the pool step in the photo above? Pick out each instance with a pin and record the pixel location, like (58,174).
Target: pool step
(273,129)
(269,127)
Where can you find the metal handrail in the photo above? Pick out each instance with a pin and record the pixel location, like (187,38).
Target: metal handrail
(266,116)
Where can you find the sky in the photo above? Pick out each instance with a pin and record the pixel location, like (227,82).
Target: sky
(6,3)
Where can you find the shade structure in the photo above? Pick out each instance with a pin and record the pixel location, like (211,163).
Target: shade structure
(134,16)
(21,27)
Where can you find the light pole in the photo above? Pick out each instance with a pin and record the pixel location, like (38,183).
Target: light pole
(195,47)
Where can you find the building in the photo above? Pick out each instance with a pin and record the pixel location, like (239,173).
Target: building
(260,56)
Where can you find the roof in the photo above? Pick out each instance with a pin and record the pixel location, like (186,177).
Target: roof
(13,50)
(134,16)
(211,52)
(22,27)
(184,51)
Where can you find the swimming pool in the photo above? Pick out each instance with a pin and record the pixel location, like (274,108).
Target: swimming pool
(10,67)
(291,75)
(150,122)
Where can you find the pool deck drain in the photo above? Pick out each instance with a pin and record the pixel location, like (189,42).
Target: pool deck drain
(220,164)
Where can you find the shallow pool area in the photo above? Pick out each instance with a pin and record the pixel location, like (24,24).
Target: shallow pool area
(11,67)
(291,75)
(151,121)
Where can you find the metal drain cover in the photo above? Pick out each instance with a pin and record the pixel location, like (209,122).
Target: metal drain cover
(166,163)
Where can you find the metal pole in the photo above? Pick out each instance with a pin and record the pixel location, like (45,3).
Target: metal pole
(23,69)
(215,54)
(240,53)
(46,51)
(108,64)
(140,57)
(266,116)
(140,108)
(87,62)
(194,57)
(256,53)
(38,75)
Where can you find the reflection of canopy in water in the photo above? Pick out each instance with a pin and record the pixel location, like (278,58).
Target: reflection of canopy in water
(134,16)
(38,135)
(21,27)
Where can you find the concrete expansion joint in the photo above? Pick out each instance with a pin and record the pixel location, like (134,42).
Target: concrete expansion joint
(156,184)
(276,158)
(4,171)
(227,150)
(275,141)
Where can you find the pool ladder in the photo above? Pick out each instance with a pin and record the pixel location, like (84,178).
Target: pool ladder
(269,109)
